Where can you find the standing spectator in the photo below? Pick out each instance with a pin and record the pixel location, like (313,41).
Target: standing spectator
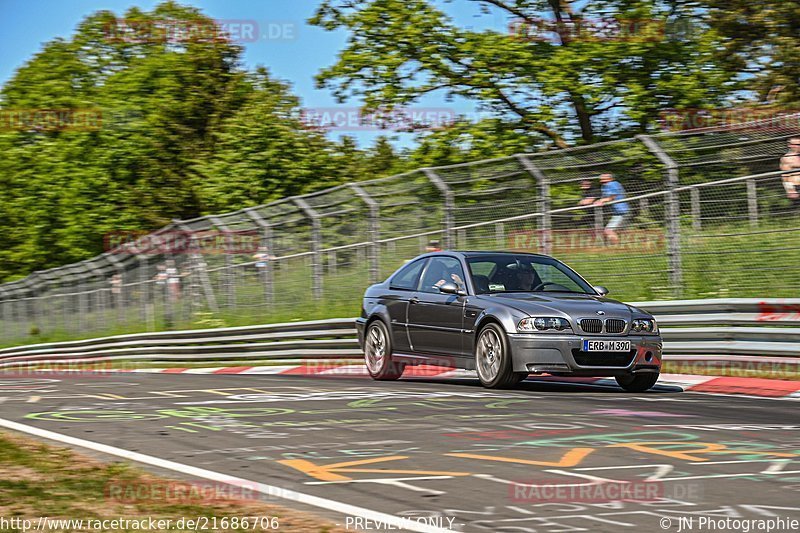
(173,280)
(116,289)
(790,164)
(612,191)
(161,274)
(589,192)
(589,195)
(433,246)
(262,256)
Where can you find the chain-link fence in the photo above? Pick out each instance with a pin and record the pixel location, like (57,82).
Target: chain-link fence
(706,215)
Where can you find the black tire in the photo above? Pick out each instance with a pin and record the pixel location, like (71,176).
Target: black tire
(637,382)
(493,359)
(378,353)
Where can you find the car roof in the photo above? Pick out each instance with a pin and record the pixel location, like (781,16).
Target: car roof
(478,253)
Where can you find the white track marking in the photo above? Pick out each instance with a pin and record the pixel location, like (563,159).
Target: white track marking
(271,490)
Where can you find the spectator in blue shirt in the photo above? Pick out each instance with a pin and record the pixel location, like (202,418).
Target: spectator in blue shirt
(612,191)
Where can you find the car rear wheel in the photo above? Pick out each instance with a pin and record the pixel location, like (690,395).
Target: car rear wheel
(637,382)
(493,359)
(378,353)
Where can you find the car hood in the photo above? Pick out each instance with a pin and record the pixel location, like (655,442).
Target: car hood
(556,304)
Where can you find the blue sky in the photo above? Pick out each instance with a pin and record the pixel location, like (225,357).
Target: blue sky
(25,25)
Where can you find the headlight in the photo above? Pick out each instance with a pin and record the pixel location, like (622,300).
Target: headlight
(644,325)
(542,324)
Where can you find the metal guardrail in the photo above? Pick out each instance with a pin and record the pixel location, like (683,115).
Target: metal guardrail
(708,329)
(335,338)
(728,327)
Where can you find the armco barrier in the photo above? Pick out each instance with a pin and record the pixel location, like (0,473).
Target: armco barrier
(716,329)
(709,329)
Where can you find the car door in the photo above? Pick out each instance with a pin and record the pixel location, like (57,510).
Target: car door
(402,287)
(435,319)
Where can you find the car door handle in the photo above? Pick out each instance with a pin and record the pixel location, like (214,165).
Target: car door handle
(413,300)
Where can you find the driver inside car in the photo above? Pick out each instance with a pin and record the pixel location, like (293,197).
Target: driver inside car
(526,278)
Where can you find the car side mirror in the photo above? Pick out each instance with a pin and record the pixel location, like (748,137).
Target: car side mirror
(602,291)
(452,288)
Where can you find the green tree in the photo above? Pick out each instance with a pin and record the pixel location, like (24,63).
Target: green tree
(184,131)
(760,40)
(264,152)
(382,159)
(464,140)
(572,86)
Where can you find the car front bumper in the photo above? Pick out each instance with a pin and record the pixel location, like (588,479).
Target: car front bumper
(562,354)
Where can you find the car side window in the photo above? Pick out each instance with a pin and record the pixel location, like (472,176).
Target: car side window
(440,271)
(408,276)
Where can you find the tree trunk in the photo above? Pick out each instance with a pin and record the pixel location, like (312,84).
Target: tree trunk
(584,118)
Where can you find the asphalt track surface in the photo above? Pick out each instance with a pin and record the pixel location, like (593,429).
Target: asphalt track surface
(476,460)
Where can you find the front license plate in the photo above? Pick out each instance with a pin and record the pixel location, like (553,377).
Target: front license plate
(606,346)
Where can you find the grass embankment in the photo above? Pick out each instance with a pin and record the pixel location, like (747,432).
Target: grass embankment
(38,480)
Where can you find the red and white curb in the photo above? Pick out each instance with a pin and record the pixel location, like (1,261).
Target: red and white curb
(769,388)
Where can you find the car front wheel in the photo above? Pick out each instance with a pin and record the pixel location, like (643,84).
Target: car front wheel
(493,359)
(378,353)
(637,382)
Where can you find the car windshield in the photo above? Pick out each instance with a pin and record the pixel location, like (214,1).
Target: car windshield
(524,273)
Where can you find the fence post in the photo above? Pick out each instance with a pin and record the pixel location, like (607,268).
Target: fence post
(30,300)
(449,205)
(545,222)
(266,242)
(145,285)
(316,246)
(752,202)
(374,231)
(118,300)
(230,277)
(673,215)
(169,311)
(461,239)
(3,298)
(598,218)
(500,236)
(644,207)
(199,267)
(82,296)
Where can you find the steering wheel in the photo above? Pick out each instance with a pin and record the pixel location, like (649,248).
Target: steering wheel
(546,283)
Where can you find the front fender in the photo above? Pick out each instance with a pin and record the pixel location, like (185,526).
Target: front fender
(507,319)
(376,311)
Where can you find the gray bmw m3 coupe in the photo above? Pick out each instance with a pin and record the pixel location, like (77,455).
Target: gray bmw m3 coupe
(505,315)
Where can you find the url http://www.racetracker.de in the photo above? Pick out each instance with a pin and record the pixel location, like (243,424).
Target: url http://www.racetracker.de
(199,523)
(681,524)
